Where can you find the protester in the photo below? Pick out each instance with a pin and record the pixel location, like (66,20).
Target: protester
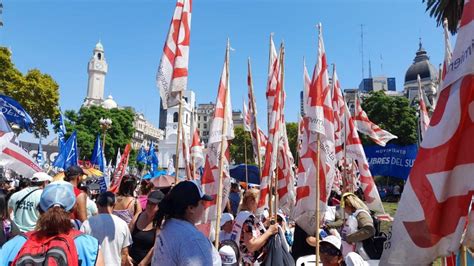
(330,251)
(74,176)
(229,253)
(145,188)
(111,231)
(234,198)
(248,232)
(227,222)
(144,230)
(53,232)
(179,241)
(91,190)
(281,220)
(8,229)
(364,229)
(22,204)
(127,205)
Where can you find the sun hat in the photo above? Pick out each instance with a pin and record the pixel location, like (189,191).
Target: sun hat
(333,240)
(58,193)
(41,177)
(226,217)
(228,256)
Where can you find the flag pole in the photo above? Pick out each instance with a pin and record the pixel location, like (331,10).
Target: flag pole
(222,152)
(254,108)
(178,137)
(282,126)
(245,160)
(317,199)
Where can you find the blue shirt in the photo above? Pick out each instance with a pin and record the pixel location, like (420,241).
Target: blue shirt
(87,249)
(181,243)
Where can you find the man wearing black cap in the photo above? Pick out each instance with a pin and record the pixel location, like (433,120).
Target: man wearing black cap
(74,175)
(111,231)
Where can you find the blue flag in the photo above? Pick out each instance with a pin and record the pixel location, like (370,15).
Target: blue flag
(62,130)
(15,113)
(141,157)
(151,158)
(97,155)
(39,156)
(68,155)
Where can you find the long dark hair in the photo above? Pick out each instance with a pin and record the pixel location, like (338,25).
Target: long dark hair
(172,206)
(127,186)
(3,207)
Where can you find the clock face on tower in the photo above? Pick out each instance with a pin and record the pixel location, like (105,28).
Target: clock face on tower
(98,66)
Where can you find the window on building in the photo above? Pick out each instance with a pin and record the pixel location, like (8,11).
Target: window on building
(199,118)
(205,125)
(185,99)
(175,117)
(99,56)
(205,118)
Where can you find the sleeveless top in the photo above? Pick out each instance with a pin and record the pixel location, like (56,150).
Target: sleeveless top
(126,214)
(143,241)
(74,214)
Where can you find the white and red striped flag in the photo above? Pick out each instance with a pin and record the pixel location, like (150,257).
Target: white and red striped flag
(246,116)
(319,124)
(367,127)
(172,76)
(218,143)
(306,86)
(424,116)
(285,174)
(197,155)
(435,202)
(274,98)
(339,114)
(273,64)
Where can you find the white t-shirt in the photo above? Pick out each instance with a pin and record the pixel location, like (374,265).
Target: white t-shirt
(91,208)
(26,216)
(113,235)
(224,236)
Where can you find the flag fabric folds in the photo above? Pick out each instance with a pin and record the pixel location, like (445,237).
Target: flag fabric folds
(62,131)
(197,155)
(222,131)
(120,170)
(141,156)
(98,159)
(14,113)
(39,156)
(435,202)
(151,158)
(172,76)
(68,155)
(423,112)
(367,127)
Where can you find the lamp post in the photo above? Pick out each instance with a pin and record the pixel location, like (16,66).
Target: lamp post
(105,123)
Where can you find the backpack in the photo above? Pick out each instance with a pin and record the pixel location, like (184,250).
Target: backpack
(58,250)
(373,246)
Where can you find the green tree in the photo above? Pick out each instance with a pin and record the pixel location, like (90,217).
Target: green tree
(86,123)
(393,114)
(38,93)
(449,9)
(292,133)
(241,140)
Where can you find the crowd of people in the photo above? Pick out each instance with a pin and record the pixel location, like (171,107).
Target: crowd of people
(69,222)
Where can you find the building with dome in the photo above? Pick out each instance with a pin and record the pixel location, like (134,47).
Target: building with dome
(428,74)
(97,68)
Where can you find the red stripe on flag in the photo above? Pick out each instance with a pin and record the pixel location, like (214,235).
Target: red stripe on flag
(21,158)
(302,192)
(282,191)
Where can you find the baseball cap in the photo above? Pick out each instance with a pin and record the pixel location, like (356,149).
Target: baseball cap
(226,217)
(58,193)
(74,171)
(228,256)
(155,196)
(190,190)
(333,240)
(41,177)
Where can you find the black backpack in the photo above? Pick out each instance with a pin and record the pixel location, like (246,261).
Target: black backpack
(373,246)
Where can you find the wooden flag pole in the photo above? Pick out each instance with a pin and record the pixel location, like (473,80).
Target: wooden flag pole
(178,137)
(317,200)
(222,152)
(245,160)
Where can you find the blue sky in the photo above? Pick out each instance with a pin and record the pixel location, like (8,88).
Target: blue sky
(58,38)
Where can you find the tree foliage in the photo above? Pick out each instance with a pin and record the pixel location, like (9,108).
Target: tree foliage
(86,123)
(449,9)
(241,141)
(38,93)
(393,114)
(292,133)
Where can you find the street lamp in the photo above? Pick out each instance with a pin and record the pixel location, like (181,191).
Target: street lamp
(105,123)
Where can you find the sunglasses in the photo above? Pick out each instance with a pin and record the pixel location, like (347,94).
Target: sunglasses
(332,251)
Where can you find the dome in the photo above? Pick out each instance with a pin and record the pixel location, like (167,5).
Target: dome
(421,66)
(99,46)
(109,103)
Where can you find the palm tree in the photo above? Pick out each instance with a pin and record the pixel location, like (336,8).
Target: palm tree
(450,9)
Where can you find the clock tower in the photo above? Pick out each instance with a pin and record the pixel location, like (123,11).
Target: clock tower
(97,69)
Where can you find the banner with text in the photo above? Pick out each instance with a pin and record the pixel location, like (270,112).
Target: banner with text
(391,160)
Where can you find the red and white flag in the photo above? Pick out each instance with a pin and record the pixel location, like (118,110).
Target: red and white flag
(172,76)
(435,202)
(285,173)
(339,114)
(306,86)
(259,140)
(367,127)
(120,170)
(424,117)
(319,124)
(246,116)
(275,127)
(273,64)
(218,143)
(197,155)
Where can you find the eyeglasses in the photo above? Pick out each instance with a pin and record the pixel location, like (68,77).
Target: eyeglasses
(332,251)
